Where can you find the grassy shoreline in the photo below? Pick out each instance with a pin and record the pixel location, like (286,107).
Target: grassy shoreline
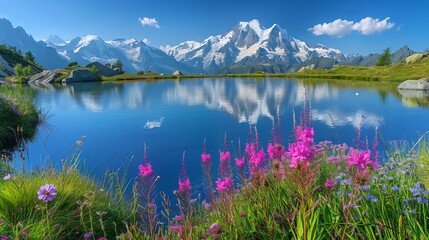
(303,191)
(393,73)
(18,115)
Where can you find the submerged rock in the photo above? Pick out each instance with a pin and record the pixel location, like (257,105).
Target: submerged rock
(421,84)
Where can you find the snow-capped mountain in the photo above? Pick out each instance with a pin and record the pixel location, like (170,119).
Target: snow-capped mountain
(17,37)
(53,40)
(249,43)
(135,55)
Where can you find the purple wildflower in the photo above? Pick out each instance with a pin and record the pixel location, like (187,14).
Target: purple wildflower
(87,235)
(47,193)
(9,176)
(371,198)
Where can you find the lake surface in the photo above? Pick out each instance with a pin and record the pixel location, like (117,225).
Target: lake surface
(172,117)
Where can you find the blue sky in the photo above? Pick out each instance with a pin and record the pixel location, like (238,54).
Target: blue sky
(338,24)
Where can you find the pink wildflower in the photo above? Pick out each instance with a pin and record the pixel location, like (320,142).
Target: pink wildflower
(225,156)
(361,159)
(256,160)
(146,170)
(275,151)
(206,157)
(215,228)
(177,228)
(302,151)
(224,186)
(330,183)
(239,162)
(305,135)
(250,149)
(185,186)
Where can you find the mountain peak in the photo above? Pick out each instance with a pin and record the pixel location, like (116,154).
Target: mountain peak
(248,44)
(253,24)
(54,39)
(89,38)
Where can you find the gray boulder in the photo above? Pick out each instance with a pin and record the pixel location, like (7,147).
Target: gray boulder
(177,73)
(309,67)
(47,76)
(81,75)
(103,69)
(421,84)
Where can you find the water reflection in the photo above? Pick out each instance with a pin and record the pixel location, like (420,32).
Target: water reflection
(154,124)
(338,118)
(414,98)
(246,100)
(173,116)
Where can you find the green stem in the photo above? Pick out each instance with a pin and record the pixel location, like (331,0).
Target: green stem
(47,221)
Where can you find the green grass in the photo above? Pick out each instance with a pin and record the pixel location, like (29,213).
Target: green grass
(80,206)
(393,73)
(18,116)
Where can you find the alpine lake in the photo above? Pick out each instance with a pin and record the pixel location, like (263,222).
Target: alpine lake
(174,118)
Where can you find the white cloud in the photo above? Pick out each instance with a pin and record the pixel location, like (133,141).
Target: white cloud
(369,25)
(337,28)
(151,22)
(146,41)
(340,27)
(153,124)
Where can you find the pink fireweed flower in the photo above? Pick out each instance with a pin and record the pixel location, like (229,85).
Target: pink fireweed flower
(47,193)
(361,159)
(225,164)
(225,156)
(302,151)
(146,170)
(185,186)
(330,183)
(215,228)
(304,135)
(177,228)
(256,160)
(250,149)
(224,186)
(275,151)
(239,162)
(206,157)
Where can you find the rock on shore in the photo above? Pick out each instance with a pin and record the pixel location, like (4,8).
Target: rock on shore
(421,84)
(81,75)
(47,76)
